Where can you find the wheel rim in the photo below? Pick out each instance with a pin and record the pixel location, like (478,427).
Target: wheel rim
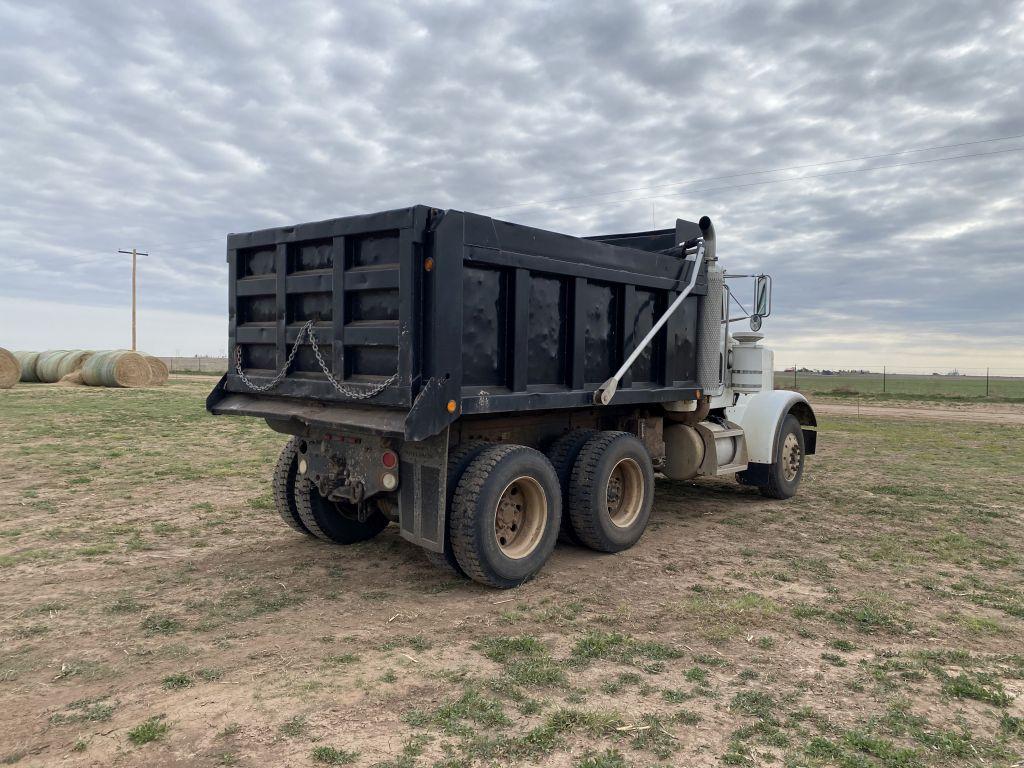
(791,457)
(521,517)
(625,493)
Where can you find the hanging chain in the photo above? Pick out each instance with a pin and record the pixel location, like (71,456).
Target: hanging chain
(346,391)
(307,330)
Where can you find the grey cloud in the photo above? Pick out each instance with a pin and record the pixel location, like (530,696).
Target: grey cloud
(168,125)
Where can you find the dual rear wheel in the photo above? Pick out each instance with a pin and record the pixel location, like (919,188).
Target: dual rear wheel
(506,513)
(301,506)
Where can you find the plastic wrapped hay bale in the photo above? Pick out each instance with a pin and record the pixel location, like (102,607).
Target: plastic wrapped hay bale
(48,365)
(116,368)
(28,362)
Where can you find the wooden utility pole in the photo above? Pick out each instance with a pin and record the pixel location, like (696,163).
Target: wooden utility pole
(135,254)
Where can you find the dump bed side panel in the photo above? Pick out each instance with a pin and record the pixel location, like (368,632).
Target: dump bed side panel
(538,320)
(356,278)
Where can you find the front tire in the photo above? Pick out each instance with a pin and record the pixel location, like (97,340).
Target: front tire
(788,465)
(611,492)
(505,515)
(334,521)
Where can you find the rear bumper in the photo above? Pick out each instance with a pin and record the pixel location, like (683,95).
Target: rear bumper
(427,417)
(294,417)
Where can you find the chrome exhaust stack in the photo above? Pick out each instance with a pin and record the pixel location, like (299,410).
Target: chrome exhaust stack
(711,332)
(708,231)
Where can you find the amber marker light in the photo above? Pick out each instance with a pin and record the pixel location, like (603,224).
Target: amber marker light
(451,406)
(428,264)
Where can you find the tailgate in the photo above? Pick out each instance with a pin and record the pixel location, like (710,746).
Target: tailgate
(353,280)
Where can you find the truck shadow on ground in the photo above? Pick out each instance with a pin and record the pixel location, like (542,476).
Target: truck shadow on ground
(390,566)
(704,494)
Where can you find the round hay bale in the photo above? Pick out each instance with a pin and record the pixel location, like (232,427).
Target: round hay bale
(28,365)
(159,370)
(72,362)
(48,365)
(116,368)
(10,369)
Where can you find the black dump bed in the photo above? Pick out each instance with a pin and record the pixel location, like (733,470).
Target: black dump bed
(446,313)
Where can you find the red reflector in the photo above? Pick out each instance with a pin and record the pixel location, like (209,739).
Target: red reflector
(389,459)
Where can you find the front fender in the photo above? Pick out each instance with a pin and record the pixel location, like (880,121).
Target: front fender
(761,417)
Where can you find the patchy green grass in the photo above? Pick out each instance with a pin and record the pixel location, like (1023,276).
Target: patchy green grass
(333,756)
(871,621)
(156,624)
(153,729)
(296,726)
(980,687)
(873,613)
(177,681)
(622,648)
(471,707)
(527,661)
(84,711)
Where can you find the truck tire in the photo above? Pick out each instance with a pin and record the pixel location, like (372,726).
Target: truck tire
(283,486)
(562,454)
(334,520)
(458,460)
(788,465)
(505,515)
(611,491)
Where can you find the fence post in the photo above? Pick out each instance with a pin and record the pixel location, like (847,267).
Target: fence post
(986,382)
(883,379)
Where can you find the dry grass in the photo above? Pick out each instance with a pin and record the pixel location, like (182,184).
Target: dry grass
(154,611)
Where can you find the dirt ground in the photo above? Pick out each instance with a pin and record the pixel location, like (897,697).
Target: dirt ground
(155,611)
(996,413)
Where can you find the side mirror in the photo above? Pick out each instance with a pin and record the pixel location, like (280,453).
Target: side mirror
(762,295)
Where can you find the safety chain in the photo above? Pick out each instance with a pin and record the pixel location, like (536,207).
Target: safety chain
(307,330)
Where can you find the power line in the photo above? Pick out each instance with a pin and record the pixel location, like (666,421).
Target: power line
(756,173)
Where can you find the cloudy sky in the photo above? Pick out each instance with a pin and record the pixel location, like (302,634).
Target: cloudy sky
(165,125)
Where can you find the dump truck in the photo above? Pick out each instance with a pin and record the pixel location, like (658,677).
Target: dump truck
(492,388)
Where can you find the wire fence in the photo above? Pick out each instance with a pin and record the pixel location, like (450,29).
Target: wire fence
(973,383)
(197,364)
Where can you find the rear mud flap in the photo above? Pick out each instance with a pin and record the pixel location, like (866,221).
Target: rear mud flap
(421,497)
